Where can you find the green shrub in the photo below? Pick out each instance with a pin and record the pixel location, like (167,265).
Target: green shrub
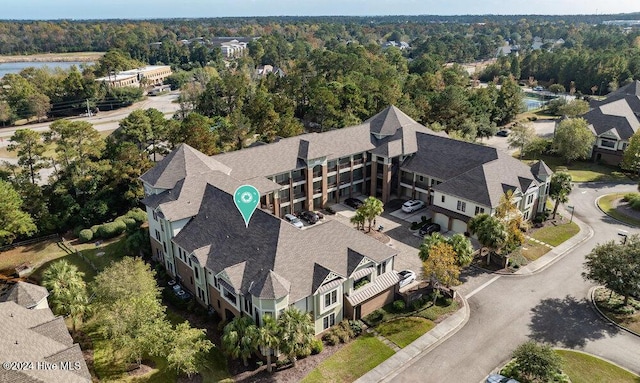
(346,327)
(342,335)
(415,225)
(630,197)
(85,235)
(137,214)
(399,306)
(316,347)
(131,224)
(331,338)
(111,229)
(356,327)
(375,317)
(303,353)
(95,229)
(282,362)
(635,204)
(417,304)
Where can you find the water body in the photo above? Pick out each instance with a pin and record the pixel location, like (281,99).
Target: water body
(16,67)
(532,103)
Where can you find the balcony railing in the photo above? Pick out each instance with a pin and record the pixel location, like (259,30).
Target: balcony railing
(298,178)
(407,180)
(422,185)
(358,161)
(344,166)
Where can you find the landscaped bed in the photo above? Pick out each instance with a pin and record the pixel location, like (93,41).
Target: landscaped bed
(612,305)
(613,206)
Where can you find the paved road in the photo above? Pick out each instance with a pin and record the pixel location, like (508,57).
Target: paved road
(105,121)
(550,306)
(543,128)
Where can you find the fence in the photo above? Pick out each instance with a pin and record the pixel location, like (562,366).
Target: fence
(68,247)
(29,242)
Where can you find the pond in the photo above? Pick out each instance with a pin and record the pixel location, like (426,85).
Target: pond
(16,67)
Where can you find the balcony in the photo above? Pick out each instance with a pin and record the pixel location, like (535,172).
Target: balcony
(407,180)
(344,166)
(298,177)
(359,161)
(422,185)
(283,182)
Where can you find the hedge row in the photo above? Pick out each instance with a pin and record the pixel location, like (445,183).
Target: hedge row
(128,222)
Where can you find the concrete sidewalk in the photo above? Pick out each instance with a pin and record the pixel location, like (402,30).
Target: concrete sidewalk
(404,358)
(558,252)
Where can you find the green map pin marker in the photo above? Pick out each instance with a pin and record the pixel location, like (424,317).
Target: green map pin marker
(247,199)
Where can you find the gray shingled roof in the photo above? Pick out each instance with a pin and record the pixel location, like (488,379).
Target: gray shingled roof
(35,335)
(25,294)
(270,244)
(487,182)
(182,161)
(618,113)
(539,169)
(292,153)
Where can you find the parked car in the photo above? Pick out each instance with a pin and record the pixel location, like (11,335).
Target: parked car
(353,202)
(292,219)
(406,277)
(497,378)
(430,229)
(309,216)
(538,88)
(412,205)
(502,133)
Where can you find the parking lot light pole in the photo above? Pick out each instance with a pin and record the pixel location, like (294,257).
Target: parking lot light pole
(572,210)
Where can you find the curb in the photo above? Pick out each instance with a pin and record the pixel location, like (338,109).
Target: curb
(414,358)
(597,309)
(610,216)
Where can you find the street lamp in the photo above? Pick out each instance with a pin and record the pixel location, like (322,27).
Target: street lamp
(624,234)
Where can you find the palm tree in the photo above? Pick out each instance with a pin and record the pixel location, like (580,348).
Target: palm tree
(430,241)
(371,208)
(68,291)
(559,189)
(266,337)
(237,338)
(491,233)
(296,333)
(358,219)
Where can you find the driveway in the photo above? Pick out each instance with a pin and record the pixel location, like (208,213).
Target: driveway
(543,128)
(550,306)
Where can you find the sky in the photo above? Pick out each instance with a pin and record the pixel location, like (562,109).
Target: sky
(142,9)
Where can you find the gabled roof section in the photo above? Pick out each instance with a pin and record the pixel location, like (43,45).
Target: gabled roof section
(353,260)
(271,286)
(25,294)
(617,115)
(235,274)
(308,150)
(320,274)
(55,329)
(540,169)
(389,121)
(184,160)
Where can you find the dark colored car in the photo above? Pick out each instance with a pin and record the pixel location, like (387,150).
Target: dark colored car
(430,229)
(502,133)
(309,216)
(353,202)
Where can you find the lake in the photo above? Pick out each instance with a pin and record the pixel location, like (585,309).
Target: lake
(16,67)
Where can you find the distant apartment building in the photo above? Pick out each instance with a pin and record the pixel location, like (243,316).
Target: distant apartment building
(150,75)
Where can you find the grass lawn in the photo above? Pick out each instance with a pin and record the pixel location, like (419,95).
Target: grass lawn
(352,361)
(614,309)
(428,311)
(532,250)
(606,204)
(403,331)
(583,368)
(583,171)
(555,235)
(35,254)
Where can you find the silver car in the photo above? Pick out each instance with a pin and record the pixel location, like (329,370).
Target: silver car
(294,220)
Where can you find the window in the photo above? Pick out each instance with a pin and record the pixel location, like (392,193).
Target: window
(190,265)
(195,269)
(608,143)
(328,321)
(526,215)
(155,215)
(462,206)
(382,268)
(164,245)
(479,210)
(442,198)
(330,298)
(248,306)
(231,297)
(157,235)
(530,199)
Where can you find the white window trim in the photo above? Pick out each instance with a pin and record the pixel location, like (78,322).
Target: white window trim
(328,318)
(334,304)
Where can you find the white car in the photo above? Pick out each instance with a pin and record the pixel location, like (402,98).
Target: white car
(406,277)
(412,205)
(294,220)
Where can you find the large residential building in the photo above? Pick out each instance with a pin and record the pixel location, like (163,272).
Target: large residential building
(200,237)
(30,334)
(613,121)
(146,76)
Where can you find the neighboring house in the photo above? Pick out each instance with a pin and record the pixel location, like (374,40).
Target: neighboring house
(146,76)
(233,48)
(264,70)
(31,334)
(613,121)
(197,233)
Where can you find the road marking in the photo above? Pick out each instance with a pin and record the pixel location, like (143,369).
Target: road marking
(482,286)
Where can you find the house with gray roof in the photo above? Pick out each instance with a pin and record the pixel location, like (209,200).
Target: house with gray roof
(198,234)
(613,121)
(31,334)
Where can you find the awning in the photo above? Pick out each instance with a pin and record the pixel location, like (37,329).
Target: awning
(363,272)
(330,286)
(370,290)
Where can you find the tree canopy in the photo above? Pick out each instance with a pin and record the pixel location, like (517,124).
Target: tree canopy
(573,140)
